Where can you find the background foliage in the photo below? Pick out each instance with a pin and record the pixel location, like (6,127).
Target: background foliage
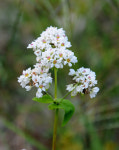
(93,29)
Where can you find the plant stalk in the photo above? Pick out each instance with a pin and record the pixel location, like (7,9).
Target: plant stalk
(55,130)
(56,113)
(55,73)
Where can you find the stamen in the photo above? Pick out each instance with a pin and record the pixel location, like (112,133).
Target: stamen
(41,86)
(44,41)
(68,60)
(48,57)
(55,61)
(62,44)
(60,54)
(26,74)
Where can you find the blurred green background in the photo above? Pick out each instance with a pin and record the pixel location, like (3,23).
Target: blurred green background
(92,26)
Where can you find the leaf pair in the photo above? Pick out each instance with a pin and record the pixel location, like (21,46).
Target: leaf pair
(60,104)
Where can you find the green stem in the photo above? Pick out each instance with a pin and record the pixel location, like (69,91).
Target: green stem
(55,73)
(67,94)
(56,113)
(55,130)
(64,96)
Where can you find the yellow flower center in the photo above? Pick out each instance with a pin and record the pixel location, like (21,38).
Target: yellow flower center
(57,36)
(44,41)
(26,74)
(61,55)
(41,72)
(84,71)
(41,86)
(55,61)
(62,44)
(68,60)
(48,57)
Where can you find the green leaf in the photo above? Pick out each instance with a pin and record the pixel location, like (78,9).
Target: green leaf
(68,108)
(45,99)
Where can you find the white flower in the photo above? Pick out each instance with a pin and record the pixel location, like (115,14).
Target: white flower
(37,77)
(69,58)
(74,92)
(28,88)
(48,80)
(85,80)
(27,73)
(72,72)
(38,53)
(79,88)
(70,87)
(32,45)
(39,93)
(25,77)
(93,92)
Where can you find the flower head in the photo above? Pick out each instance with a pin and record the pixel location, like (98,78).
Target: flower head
(85,80)
(51,48)
(37,77)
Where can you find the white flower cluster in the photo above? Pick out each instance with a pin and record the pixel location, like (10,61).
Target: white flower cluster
(51,51)
(37,77)
(85,81)
(51,48)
